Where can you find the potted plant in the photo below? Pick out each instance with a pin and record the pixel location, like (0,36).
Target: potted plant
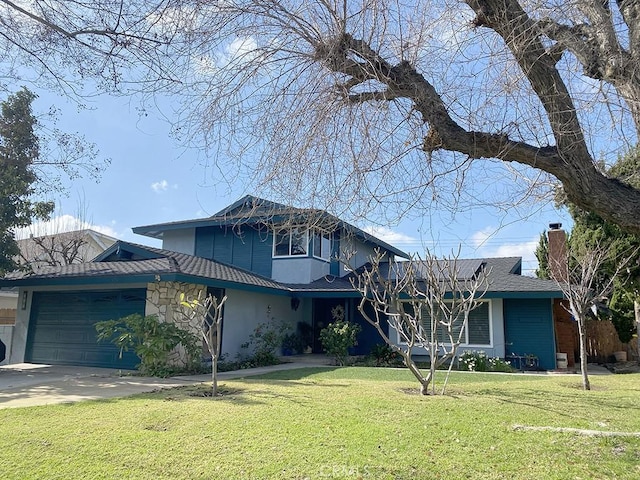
(292,343)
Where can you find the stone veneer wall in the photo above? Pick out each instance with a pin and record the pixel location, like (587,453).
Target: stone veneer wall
(163,299)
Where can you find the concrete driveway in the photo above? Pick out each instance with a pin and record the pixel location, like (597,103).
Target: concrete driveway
(27,384)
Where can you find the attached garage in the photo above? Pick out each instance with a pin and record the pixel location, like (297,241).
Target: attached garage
(62,331)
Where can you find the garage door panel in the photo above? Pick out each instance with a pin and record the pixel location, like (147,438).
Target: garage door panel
(64,335)
(62,327)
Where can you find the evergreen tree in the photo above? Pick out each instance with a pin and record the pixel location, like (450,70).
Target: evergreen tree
(19,149)
(542,254)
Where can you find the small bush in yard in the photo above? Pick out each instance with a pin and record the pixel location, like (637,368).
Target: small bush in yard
(478,361)
(264,343)
(384,355)
(338,337)
(152,341)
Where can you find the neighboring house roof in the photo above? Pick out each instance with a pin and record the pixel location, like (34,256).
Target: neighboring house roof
(65,247)
(126,262)
(254,210)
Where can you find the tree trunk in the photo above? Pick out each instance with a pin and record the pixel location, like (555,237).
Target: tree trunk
(636,311)
(582,334)
(424,381)
(214,375)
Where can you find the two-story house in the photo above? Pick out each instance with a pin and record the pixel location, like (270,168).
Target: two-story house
(273,262)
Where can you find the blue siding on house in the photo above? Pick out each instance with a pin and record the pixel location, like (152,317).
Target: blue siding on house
(529,329)
(205,239)
(369,335)
(242,252)
(243,247)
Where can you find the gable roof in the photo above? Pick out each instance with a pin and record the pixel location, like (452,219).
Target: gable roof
(504,279)
(254,210)
(129,263)
(126,262)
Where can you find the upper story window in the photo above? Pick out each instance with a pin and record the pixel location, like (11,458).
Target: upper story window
(291,242)
(321,244)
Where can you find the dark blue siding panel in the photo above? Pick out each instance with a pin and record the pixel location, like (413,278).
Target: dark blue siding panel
(244,247)
(369,335)
(223,248)
(261,263)
(205,240)
(529,329)
(334,267)
(242,250)
(62,331)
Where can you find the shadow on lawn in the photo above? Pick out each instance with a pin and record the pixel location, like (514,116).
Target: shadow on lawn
(560,402)
(293,374)
(238,395)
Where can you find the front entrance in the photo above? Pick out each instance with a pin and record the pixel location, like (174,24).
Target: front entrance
(322,317)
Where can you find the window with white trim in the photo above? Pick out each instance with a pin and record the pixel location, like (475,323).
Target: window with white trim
(321,244)
(478,331)
(291,242)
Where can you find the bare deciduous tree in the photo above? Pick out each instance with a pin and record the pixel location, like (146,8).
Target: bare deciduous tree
(426,303)
(395,103)
(208,312)
(580,278)
(59,45)
(354,104)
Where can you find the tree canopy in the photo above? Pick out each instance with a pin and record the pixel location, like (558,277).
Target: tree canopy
(356,104)
(19,150)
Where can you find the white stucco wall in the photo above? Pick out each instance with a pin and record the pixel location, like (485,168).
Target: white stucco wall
(298,270)
(354,253)
(246,310)
(182,241)
(19,337)
(8,303)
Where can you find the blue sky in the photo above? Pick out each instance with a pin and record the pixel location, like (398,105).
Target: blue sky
(153,180)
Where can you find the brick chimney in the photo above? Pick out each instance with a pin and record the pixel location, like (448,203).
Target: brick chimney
(557,252)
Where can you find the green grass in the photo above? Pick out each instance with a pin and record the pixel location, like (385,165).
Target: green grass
(334,423)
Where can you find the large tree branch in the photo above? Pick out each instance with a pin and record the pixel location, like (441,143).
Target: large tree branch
(598,50)
(519,32)
(630,10)
(569,161)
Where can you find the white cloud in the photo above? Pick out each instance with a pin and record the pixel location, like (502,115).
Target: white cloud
(239,52)
(479,239)
(397,239)
(162,186)
(60,224)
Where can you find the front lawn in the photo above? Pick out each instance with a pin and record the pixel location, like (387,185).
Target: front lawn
(335,423)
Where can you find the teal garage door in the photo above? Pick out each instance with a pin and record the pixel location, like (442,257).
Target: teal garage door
(62,331)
